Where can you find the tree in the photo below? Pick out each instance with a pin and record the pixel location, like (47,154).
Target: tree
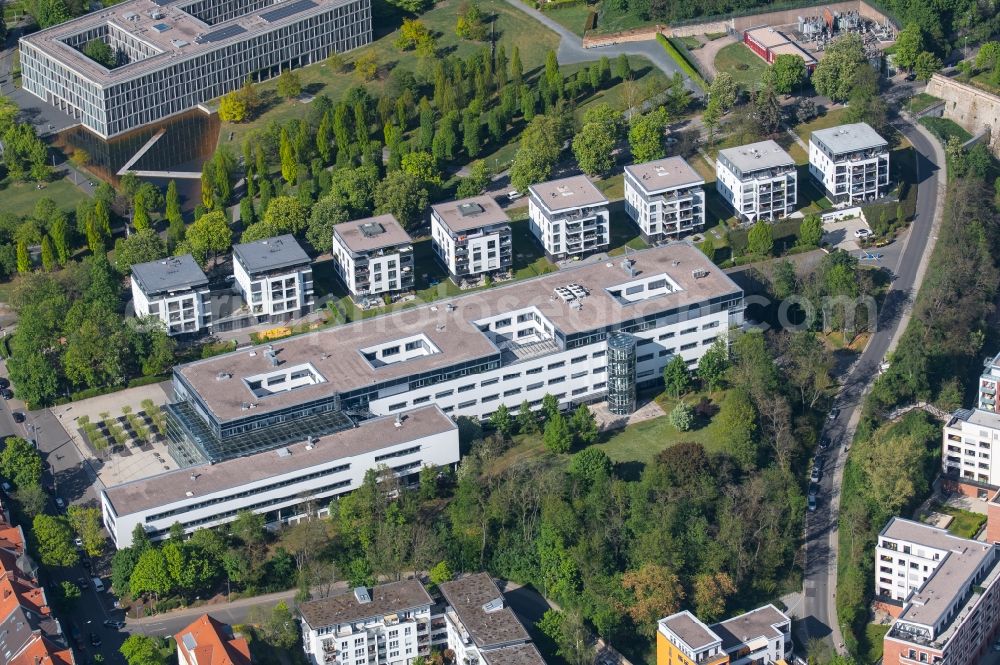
(811,231)
(622,68)
(805,110)
(926,65)
(55,540)
(789,70)
(87,524)
(646,134)
(23,257)
(285,214)
(209,234)
(151,574)
(539,149)
(326,213)
(142,650)
(68,594)
(713,365)
(59,232)
(366,66)
(140,247)
(557,436)
(233,107)
(681,417)
(413,34)
(737,421)
(834,75)
(909,44)
(32,499)
(724,91)
(440,573)
(655,592)
(591,464)
(403,196)
(676,379)
(470,24)
(289,164)
(759,240)
(501,420)
(594,148)
(550,405)
(422,166)
(527,421)
(289,85)
(281,628)
(48,254)
(20,462)
(175,232)
(100,52)
(583,425)
(475,182)
(711,591)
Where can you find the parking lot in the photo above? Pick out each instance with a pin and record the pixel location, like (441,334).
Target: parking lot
(841,235)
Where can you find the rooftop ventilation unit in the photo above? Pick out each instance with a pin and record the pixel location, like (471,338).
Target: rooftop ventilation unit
(223,376)
(494,605)
(179,43)
(470,209)
(577,290)
(698,273)
(628,265)
(372,229)
(564,293)
(399,421)
(362,595)
(284,452)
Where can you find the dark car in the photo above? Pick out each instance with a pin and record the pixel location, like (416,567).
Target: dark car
(834,412)
(111,623)
(95,639)
(7,393)
(4,383)
(824,443)
(18,417)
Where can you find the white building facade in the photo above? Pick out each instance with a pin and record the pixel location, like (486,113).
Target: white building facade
(907,554)
(665,198)
(373,256)
(472,237)
(275,277)
(174,290)
(971,439)
(569,216)
(758,180)
(851,162)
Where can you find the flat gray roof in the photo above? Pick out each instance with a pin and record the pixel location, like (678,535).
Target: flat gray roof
(176,273)
(271,254)
(365,235)
(749,626)
(469,214)
(849,138)
(135,18)
(335,351)
(899,528)
(468,595)
(518,654)
(384,599)
(173,486)
(690,629)
(662,174)
(982,417)
(757,156)
(567,193)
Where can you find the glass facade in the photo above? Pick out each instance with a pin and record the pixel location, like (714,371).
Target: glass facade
(621,373)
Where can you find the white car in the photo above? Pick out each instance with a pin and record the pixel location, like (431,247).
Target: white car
(513,195)
(862,233)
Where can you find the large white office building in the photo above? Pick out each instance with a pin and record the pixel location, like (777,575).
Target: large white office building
(569,216)
(665,198)
(173,55)
(174,290)
(851,162)
(971,440)
(275,277)
(758,180)
(283,483)
(373,256)
(471,238)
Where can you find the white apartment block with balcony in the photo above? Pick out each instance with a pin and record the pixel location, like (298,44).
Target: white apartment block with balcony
(665,198)
(373,256)
(471,237)
(482,629)
(389,624)
(569,216)
(758,180)
(972,437)
(759,637)
(907,554)
(275,277)
(174,290)
(851,162)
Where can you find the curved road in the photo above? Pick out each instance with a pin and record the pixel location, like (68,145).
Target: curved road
(571,50)
(820,575)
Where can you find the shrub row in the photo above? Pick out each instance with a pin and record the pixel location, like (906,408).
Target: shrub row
(682,62)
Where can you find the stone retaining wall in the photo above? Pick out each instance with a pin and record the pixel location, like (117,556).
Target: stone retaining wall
(974,109)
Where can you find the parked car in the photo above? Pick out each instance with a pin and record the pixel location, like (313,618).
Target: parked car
(60,504)
(862,233)
(4,383)
(813,492)
(111,623)
(95,639)
(78,542)
(812,504)
(7,393)
(7,487)
(834,412)
(824,443)
(82,583)
(513,195)
(814,476)
(18,417)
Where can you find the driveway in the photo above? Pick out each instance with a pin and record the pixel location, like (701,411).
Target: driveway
(840,235)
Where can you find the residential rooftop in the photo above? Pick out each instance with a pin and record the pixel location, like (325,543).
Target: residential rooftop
(481,608)
(568,193)
(849,138)
(757,156)
(518,654)
(750,626)
(182,485)
(663,174)
(976,417)
(177,273)
(366,235)
(271,254)
(383,600)
(167,28)
(207,641)
(335,353)
(690,629)
(470,214)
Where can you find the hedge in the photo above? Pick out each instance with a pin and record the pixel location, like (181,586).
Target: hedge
(560,4)
(685,66)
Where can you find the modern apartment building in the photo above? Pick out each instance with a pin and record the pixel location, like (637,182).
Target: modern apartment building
(972,440)
(569,216)
(174,290)
(482,629)
(851,162)
(173,55)
(471,238)
(284,484)
(468,354)
(665,198)
(389,624)
(759,637)
(758,180)
(373,256)
(953,615)
(207,641)
(275,278)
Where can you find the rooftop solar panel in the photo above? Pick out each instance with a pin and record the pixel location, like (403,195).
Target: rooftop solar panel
(222,33)
(287,9)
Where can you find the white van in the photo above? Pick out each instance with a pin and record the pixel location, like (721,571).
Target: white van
(98,584)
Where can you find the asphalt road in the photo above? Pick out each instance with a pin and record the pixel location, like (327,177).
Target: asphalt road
(821,526)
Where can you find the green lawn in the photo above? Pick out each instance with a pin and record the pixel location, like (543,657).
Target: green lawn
(983,81)
(903,175)
(613,187)
(920,101)
(872,649)
(646,82)
(965,523)
(20,198)
(614,19)
(742,63)
(944,129)
(831,118)
(572,18)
